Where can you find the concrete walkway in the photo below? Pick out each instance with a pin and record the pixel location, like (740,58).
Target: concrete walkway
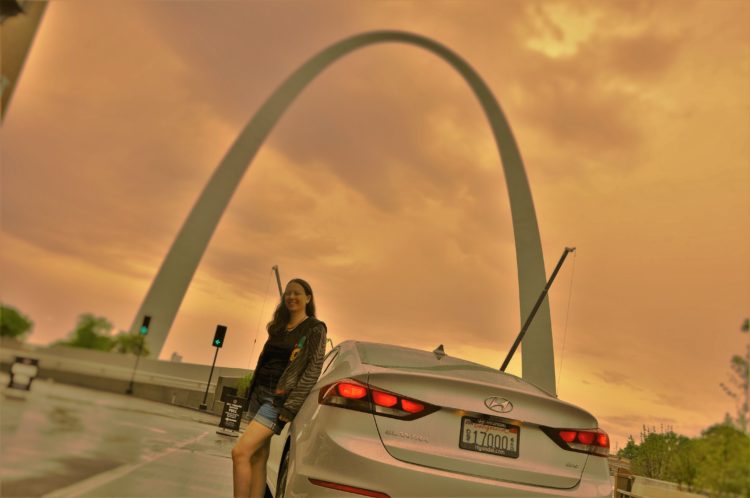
(66,441)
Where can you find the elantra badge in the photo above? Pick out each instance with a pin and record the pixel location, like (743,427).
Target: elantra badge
(500,405)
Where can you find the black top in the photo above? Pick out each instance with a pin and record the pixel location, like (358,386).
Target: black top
(276,355)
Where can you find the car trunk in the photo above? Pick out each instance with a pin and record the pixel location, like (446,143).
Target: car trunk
(466,437)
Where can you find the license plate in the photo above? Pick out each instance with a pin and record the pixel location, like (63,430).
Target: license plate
(489,436)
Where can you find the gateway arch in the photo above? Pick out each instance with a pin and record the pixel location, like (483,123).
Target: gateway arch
(171,282)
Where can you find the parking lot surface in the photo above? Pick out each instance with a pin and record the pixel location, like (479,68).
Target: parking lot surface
(65,441)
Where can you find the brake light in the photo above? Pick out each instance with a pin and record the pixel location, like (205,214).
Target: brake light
(603,440)
(354,395)
(591,441)
(568,436)
(384,399)
(586,437)
(411,406)
(351,391)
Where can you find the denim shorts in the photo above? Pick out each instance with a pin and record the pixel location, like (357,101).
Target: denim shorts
(268,415)
(263,411)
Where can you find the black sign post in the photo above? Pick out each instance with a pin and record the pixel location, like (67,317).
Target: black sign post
(142,334)
(221,331)
(231,416)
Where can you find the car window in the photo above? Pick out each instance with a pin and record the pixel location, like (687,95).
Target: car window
(330,357)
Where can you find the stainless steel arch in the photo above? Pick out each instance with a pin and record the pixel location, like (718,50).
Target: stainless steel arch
(170,284)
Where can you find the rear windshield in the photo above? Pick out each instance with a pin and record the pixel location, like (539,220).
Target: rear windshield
(383,355)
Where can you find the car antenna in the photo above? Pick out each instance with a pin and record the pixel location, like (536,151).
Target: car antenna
(536,307)
(439,352)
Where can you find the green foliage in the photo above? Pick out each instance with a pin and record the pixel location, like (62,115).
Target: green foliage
(126,342)
(91,332)
(738,387)
(13,323)
(716,461)
(630,451)
(654,456)
(95,332)
(243,384)
(725,452)
(685,463)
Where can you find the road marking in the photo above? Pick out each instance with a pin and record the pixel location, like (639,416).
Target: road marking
(81,487)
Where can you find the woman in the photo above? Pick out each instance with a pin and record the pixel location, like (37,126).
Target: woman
(288,368)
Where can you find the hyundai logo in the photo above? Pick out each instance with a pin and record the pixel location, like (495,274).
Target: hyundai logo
(500,405)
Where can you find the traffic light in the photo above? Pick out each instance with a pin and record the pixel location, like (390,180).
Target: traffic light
(146,323)
(221,331)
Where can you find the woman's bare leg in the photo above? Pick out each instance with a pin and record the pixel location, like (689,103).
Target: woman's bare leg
(253,439)
(258,470)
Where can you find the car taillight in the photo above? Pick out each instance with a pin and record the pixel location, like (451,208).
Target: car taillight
(591,441)
(351,391)
(384,399)
(411,406)
(354,395)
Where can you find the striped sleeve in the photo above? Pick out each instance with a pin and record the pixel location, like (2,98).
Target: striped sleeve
(316,342)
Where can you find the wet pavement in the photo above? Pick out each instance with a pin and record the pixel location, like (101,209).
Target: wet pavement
(66,441)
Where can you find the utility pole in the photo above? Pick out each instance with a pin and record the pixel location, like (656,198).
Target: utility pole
(536,307)
(278,280)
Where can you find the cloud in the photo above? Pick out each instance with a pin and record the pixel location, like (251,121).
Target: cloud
(646,56)
(616,378)
(326,233)
(111,159)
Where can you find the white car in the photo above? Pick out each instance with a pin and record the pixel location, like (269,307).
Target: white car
(388,421)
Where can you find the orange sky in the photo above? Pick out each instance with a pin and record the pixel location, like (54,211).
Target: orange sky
(383,188)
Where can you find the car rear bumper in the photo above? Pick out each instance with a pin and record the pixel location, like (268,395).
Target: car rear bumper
(337,456)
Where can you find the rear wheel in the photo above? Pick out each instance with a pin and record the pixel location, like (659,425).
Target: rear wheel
(283,473)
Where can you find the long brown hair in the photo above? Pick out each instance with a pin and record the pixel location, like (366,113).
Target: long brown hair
(282,316)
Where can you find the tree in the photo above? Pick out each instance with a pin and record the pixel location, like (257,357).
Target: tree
(126,342)
(726,460)
(630,451)
(663,455)
(91,332)
(739,388)
(13,323)
(715,463)
(655,453)
(95,332)
(685,463)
